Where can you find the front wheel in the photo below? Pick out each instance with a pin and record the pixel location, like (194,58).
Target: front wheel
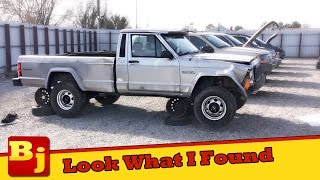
(67,100)
(214,107)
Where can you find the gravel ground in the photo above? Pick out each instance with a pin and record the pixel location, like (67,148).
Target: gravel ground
(292,91)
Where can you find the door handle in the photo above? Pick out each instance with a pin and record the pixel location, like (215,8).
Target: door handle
(134,61)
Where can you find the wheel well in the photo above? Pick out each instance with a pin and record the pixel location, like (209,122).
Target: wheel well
(221,81)
(59,76)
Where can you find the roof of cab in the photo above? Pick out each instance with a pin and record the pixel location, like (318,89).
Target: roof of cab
(208,32)
(152,31)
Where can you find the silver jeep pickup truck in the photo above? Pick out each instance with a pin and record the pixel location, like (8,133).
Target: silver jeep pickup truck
(146,63)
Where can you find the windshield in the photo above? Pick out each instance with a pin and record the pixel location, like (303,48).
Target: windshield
(234,40)
(215,41)
(180,44)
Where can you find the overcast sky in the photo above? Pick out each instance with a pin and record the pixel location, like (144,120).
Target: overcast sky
(175,14)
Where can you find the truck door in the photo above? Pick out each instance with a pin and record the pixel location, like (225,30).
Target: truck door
(148,68)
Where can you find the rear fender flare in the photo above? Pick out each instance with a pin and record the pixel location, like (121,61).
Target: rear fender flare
(74,74)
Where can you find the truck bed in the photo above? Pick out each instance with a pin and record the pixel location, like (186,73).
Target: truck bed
(92,73)
(92,54)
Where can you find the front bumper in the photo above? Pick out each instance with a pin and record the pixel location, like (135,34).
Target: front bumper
(266,68)
(16,82)
(278,62)
(254,88)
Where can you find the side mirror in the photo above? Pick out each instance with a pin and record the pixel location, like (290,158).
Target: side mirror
(207,49)
(167,54)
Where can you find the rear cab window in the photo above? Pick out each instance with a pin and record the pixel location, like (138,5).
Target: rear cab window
(123,46)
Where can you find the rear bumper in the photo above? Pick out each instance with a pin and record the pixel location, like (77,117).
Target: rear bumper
(16,82)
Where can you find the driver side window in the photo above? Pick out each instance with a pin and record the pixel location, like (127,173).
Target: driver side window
(146,46)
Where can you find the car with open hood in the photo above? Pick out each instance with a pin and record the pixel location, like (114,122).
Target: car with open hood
(209,43)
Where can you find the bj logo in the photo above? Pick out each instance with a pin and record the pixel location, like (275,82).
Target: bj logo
(28,156)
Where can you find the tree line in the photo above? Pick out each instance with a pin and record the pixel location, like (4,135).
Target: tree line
(281,25)
(43,12)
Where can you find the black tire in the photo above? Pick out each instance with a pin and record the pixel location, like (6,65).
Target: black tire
(42,111)
(106,100)
(240,103)
(42,97)
(178,107)
(224,107)
(67,99)
(178,110)
(318,65)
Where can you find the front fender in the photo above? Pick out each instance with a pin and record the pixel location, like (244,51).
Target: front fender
(226,73)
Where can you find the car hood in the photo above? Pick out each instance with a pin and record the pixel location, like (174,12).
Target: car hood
(243,59)
(272,37)
(244,51)
(247,44)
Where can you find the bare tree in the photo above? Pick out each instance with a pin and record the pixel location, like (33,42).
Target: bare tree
(238,28)
(87,16)
(114,22)
(29,11)
(293,25)
(189,27)
(210,27)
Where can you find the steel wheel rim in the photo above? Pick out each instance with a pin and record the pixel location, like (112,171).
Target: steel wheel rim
(213,108)
(45,97)
(65,99)
(177,107)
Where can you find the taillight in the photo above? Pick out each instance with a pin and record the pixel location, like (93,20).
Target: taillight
(19,71)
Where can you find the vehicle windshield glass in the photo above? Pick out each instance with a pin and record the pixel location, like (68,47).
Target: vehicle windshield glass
(215,41)
(180,44)
(234,40)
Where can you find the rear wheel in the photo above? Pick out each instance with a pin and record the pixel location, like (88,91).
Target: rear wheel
(214,107)
(106,100)
(67,100)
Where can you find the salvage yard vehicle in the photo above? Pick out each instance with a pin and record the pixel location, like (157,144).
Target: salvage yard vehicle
(258,43)
(209,43)
(146,63)
(235,42)
(263,44)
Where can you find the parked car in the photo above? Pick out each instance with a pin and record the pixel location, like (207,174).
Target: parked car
(261,43)
(146,63)
(209,43)
(229,39)
(275,56)
(236,43)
